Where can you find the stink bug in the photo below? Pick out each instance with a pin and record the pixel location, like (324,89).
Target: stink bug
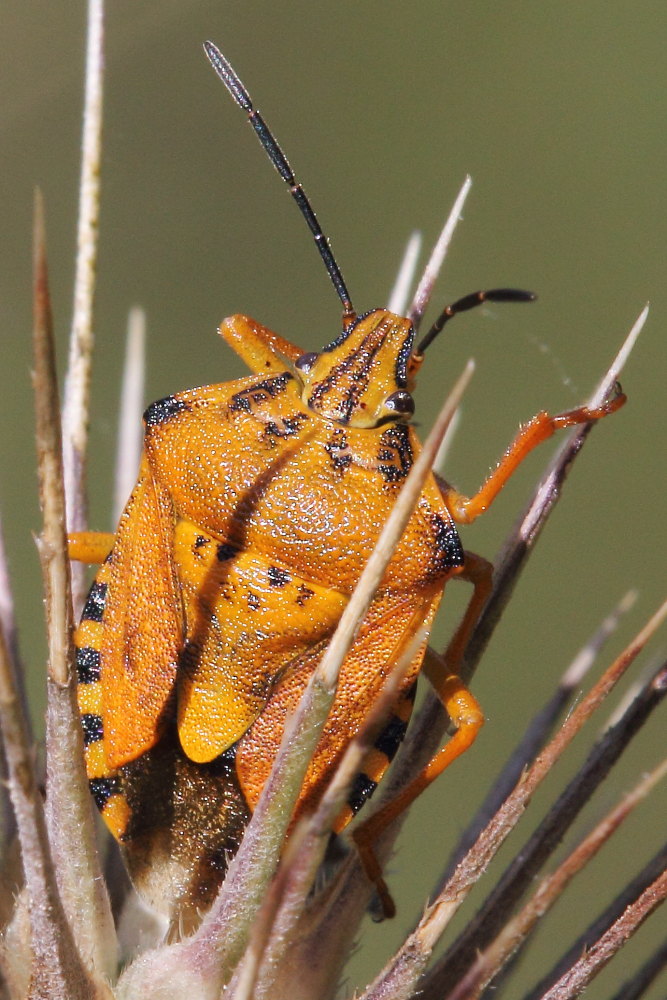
(257,504)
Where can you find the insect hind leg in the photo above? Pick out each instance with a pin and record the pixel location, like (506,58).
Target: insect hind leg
(464,712)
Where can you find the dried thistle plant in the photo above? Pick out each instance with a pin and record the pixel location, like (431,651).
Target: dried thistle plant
(269,932)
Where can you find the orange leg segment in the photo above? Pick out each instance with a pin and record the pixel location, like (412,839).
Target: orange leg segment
(479,572)
(464,712)
(90,546)
(465,509)
(462,708)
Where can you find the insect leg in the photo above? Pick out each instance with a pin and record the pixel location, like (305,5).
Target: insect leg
(479,572)
(90,546)
(465,509)
(463,710)
(469,302)
(262,350)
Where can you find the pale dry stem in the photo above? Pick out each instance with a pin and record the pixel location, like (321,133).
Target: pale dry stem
(77,383)
(48,962)
(636,987)
(575,981)
(648,874)
(130,431)
(398,298)
(307,845)
(400,978)
(424,291)
(516,930)
(537,732)
(518,877)
(53,540)
(68,813)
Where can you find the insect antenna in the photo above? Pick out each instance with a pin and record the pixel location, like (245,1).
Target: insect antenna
(469,302)
(233,84)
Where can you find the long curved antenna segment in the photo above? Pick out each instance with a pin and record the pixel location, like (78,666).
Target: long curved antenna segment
(233,84)
(469,302)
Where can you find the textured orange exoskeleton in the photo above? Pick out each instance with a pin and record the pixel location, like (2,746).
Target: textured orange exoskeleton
(257,505)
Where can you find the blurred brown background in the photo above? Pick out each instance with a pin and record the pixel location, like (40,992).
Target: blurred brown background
(557,111)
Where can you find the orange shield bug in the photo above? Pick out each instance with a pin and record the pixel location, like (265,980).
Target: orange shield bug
(257,504)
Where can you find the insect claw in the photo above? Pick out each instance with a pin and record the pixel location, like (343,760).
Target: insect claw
(381,906)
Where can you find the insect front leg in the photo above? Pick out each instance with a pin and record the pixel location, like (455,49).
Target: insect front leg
(463,710)
(465,509)
(90,546)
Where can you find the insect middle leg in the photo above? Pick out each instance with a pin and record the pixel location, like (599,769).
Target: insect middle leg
(464,712)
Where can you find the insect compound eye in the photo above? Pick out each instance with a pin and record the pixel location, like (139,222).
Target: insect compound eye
(306,362)
(401,403)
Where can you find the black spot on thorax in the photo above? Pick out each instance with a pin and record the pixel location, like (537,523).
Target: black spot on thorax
(278,577)
(338,451)
(259,393)
(449,550)
(225,551)
(285,427)
(163,410)
(394,456)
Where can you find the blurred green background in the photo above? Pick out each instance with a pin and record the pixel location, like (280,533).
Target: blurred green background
(558,112)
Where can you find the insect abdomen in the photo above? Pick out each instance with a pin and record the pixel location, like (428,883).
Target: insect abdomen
(105,784)
(378,759)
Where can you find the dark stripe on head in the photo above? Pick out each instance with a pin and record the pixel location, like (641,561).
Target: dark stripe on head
(349,380)
(347,330)
(404,355)
(88,665)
